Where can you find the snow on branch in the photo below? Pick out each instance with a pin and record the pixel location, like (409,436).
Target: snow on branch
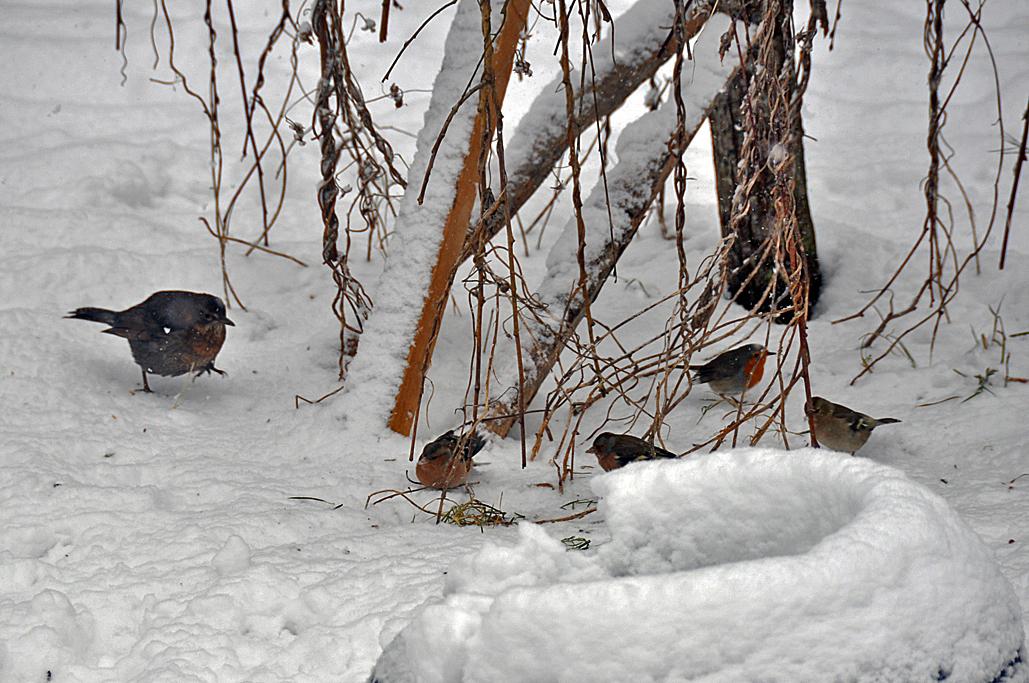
(644,165)
(638,45)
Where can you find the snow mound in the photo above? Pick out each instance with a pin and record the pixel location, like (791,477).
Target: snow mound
(746,565)
(41,634)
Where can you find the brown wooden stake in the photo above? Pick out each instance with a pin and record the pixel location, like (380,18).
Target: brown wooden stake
(419,356)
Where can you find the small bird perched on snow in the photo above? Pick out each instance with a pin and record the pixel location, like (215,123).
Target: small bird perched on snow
(446,461)
(170,334)
(618,450)
(730,372)
(840,428)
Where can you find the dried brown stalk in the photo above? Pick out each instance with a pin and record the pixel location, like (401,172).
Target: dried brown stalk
(1019,160)
(351,304)
(942,283)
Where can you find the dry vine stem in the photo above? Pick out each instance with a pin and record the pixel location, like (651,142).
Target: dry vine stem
(261,127)
(551,334)
(351,304)
(1019,160)
(490,105)
(342,112)
(944,265)
(657,366)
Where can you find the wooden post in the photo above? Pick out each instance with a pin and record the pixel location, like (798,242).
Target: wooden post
(419,356)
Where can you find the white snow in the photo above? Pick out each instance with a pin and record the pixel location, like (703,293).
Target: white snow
(749,565)
(154,537)
(234,556)
(703,77)
(642,24)
(44,632)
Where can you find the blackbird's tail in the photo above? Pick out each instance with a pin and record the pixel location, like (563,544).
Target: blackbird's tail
(702,374)
(97,315)
(474,445)
(662,453)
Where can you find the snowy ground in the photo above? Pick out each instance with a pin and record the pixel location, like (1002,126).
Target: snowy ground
(152,537)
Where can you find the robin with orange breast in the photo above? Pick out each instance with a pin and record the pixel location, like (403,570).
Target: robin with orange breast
(446,461)
(839,428)
(170,334)
(731,372)
(618,450)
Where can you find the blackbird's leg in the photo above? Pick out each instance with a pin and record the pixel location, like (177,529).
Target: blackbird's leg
(146,384)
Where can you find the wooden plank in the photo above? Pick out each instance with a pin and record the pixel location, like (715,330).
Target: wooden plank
(454,230)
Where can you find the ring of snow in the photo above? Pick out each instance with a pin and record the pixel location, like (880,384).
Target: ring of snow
(749,565)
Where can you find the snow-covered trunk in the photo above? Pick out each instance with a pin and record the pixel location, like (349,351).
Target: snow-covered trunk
(386,376)
(646,158)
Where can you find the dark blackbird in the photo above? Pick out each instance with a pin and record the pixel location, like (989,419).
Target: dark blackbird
(170,334)
(618,450)
(446,461)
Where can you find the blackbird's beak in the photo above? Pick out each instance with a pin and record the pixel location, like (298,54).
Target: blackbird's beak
(592,449)
(227,321)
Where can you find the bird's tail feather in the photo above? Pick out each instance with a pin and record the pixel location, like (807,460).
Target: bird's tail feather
(474,445)
(662,453)
(703,374)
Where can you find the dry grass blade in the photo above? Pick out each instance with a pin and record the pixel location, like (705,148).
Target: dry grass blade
(474,512)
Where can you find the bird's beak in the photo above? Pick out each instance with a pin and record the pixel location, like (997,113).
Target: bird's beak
(592,449)
(227,321)
(769,353)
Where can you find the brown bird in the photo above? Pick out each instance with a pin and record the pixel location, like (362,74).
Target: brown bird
(618,450)
(170,334)
(840,428)
(730,372)
(446,461)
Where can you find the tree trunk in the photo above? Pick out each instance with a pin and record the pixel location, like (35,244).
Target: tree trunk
(750,275)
